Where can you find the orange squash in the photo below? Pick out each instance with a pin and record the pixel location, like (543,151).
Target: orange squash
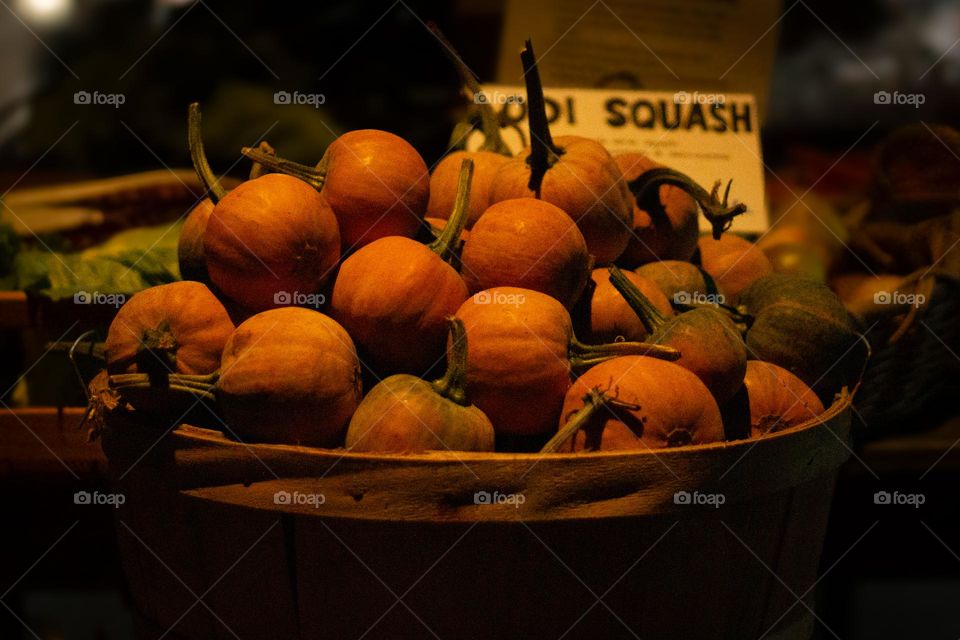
(665,225)
(658,404)
(576,174)
(270,238)
(522,353)
(607,315)
(772,399)
(443,183)
(375,182)
(289,376)
(530,244)
(405,414)
(193,265)
(734,263)
(393,295)
(179,327)
(708,341)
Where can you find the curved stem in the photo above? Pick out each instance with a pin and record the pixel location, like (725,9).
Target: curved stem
(543,152)
(199,156)
(585,418)
(586,355)
(489,123)
(257,169)
(444,245)
(592,403)
(453,384)
(649,315)
(314,176)
(718,212)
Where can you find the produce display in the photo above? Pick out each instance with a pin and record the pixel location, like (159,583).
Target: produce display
(566,304)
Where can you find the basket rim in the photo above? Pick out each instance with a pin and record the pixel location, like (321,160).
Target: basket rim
(843,401)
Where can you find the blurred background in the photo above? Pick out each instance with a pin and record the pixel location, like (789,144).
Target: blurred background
(99,88)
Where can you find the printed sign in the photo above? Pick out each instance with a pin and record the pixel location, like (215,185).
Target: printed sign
(708,136)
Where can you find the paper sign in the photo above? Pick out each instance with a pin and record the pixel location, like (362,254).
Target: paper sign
(708,136)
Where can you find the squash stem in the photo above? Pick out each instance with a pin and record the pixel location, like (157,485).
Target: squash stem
(314,176)
(718,212)
(586,418)
(257,169)
(199,156)
(453,384)
(444,245)
(583,356)
(489,123)
(649,315)
(157,354)
(543,152)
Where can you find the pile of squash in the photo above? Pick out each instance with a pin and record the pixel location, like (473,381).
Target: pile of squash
(560,299)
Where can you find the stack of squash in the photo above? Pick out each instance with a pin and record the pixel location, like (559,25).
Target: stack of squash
(559,299)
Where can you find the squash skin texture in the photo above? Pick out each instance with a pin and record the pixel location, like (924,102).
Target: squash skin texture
(289,376)
(610,315)
(271,235)
(377,185)
(518,366)
(393,297)
(530,244)
(190,256)
(772,399)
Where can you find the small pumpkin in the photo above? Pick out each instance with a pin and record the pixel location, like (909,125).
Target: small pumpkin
(522,353)
(605,315)
(443,183)
(664,225)
(193,265)
(530,244)
(271,236)
(393,295)
(681,282)
(179,327)
(733,263)
(289,376)
(771,399)
(375,182)
(659,404)
(405,414)
(708,341)
(576,174)
(800,325)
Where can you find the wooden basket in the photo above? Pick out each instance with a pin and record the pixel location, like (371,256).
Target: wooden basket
(599,545)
